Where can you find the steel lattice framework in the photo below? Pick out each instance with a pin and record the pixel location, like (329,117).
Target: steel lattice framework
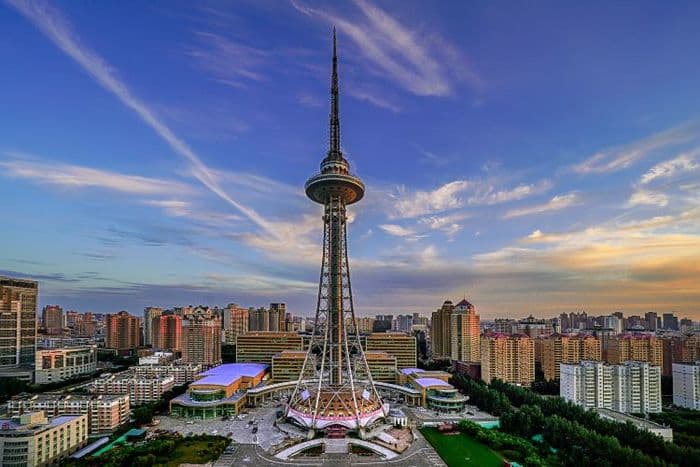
(335,387)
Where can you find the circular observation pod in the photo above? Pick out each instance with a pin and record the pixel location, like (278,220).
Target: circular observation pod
(320,188)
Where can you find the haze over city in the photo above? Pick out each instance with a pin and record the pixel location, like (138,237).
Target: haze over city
(157,156)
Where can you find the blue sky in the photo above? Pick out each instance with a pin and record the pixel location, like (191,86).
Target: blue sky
(538,158)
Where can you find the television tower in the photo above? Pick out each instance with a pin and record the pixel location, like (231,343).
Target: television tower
(335,391)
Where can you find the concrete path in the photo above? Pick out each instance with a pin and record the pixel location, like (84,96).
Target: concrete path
(335,446)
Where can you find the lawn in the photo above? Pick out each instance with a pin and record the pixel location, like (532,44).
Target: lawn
(193,451)
(459,449)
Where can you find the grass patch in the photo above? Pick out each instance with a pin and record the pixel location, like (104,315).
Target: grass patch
(191,451)
(459,449)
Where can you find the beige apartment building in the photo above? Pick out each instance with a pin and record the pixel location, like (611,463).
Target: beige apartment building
(33,440)
(105,412)
(639,348)
(508,357)
(465,333)
(440,330)
(183,373)
(141,390)
(559,348)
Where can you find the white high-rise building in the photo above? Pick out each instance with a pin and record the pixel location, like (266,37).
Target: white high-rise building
(614,323)
(686,385)
(632,387)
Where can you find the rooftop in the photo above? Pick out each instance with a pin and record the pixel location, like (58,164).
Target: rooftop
(623,418)
(428,382)
(228,373)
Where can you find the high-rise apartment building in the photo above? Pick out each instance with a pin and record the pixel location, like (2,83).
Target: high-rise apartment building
(52,319)
(465,333)
(149,314)
(18,299)
(278,314)
(365,324)
(679,349)
(642,348)
(71,317)
(201,340)
(632,387)
(558,348)
(650,319)
(397,344)
(259,319)
(403,323)
(508,357)
(440,335)
(505,326)
(236,322)
(670,322)
(123,332)
(167,332)
(686,385)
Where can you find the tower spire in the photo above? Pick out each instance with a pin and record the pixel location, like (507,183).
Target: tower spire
(334,150)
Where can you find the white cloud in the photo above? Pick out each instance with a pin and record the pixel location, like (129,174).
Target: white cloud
(51,23)
(555,204)
(621,157)
(74,176)
(422,64)
(397,230)
(647,197)
(458,194)
(231,63)
(419,203)
(490,195)
(668,168)
(373,98)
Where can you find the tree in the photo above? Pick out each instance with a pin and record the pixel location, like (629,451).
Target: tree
(143,415)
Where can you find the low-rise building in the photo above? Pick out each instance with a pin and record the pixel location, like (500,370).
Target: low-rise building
(436,393)
(287,365)
(381,365)
(183,373)
(105,412)
(141,389)
(220,391)
(397,344)
(686,385)
(665,432)
(633,387)
(33,439)
(60,364)
(261,346)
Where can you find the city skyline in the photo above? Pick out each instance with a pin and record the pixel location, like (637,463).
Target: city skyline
(163,153)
